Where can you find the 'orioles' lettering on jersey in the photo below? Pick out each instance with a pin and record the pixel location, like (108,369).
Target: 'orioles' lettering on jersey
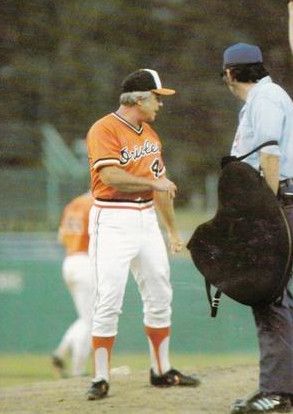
(73,230)
(112,141)
(138,151)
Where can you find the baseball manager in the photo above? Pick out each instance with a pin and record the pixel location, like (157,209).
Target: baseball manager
(128,178)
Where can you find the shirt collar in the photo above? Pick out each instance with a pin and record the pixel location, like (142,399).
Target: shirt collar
(253,91)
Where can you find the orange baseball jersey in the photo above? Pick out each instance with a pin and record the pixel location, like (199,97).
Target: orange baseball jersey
(113,141)
(73,230)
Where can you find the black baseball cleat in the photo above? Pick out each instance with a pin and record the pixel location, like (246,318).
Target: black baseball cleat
(98,390)
(262,403)
(172,378)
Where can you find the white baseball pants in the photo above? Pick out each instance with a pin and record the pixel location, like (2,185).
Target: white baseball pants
(77,339)
(123,240)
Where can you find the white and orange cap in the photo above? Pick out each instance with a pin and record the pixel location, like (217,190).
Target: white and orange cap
(144,80)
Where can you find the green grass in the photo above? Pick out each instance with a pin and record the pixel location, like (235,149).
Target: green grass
(188,219)
(20,369)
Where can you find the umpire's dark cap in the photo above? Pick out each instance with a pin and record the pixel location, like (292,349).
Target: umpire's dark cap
(144,80)
(240,54)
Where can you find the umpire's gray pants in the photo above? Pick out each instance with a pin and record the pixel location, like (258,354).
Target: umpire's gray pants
(275,335)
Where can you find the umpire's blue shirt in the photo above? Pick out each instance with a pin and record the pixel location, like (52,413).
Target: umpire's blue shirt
(266,115)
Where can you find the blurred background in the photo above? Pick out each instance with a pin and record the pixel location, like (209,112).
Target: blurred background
(62,63)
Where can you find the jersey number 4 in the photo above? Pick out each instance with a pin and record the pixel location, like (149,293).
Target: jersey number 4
(156,168)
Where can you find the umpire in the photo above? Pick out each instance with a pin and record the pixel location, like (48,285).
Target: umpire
(267,114)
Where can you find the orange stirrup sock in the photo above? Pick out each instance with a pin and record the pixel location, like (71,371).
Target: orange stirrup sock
(102,347)
(159,348)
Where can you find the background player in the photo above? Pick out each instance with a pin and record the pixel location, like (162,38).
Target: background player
(73,234)
(128,176)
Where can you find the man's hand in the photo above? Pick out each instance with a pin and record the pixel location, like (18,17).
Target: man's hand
(163,184)
(175,243)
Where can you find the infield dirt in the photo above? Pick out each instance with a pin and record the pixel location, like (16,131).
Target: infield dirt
(131,393)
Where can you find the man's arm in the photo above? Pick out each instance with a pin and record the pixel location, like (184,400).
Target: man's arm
(123,181)
(164,205)
(270,166)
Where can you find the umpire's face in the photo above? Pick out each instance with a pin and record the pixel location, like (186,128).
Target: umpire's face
(150,106)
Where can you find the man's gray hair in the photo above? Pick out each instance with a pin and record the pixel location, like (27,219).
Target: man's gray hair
(131,98)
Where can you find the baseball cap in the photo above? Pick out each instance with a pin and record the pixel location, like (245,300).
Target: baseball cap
(144,80)
(241,53)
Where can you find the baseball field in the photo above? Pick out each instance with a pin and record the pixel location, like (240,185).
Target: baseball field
(222,351)
(28,385)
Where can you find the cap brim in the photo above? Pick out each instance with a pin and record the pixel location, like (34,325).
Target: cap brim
(164,91)
(231,65)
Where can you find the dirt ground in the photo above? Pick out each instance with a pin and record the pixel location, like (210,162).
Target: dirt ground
(130,393)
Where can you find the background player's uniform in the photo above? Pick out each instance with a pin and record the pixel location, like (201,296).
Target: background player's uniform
(73,234)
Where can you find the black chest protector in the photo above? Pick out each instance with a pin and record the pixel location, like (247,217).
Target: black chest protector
(245,251)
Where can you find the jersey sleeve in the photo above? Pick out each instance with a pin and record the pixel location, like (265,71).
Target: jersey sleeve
(268,121)
(103,147)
